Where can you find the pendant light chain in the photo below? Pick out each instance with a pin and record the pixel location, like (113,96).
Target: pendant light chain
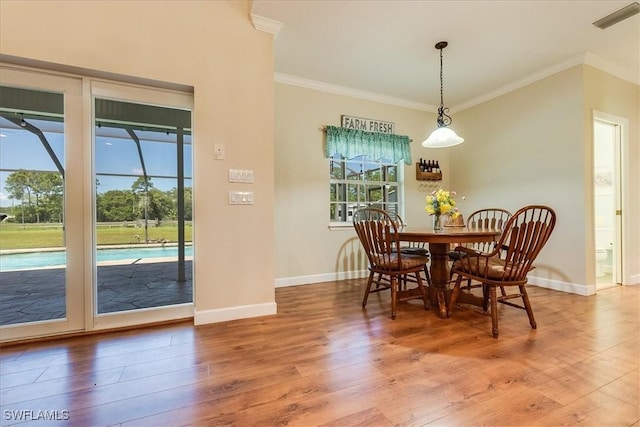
(442,136)
(443,118)
(441,84)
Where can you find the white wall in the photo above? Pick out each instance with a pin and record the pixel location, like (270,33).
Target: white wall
(529,146)
(212,47)
(526,147)
(607,94)
(306,250)
(534,146)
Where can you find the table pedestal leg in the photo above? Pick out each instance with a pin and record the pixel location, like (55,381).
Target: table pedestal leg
(439,277)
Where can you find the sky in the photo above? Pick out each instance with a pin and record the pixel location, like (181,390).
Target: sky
(115,153)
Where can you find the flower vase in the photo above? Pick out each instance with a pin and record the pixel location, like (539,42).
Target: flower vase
(437,223)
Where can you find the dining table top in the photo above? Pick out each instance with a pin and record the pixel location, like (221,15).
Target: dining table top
(447,234)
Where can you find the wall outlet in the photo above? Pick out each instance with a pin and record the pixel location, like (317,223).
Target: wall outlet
(218,151)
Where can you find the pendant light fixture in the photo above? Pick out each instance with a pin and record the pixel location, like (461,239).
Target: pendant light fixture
(442,136)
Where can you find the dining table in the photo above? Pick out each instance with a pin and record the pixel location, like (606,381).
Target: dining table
(440,243)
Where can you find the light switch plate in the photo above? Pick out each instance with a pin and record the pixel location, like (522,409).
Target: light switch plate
(241,175)
(240,197)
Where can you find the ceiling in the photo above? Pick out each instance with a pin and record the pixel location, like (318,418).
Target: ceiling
(386,48)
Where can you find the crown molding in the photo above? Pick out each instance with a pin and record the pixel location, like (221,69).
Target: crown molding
(531,78)
(265,24)
(586,58)
(607,67)
(353,93)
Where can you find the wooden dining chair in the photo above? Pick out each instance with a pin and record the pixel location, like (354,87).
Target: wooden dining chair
(378,234)
(412,248)
(483,219)
(487,219)
(507,265)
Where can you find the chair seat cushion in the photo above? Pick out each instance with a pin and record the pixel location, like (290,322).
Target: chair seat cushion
(407,262)
(477,267)
(414,251)
(455,255)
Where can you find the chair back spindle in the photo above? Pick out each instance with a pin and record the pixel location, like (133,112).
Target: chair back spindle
(487,219)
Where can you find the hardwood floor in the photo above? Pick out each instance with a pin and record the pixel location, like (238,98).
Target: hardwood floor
(324,361)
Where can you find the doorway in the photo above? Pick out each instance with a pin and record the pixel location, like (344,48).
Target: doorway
(607,174)
(95,204)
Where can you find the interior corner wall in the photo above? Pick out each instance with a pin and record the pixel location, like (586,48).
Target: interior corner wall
(307,251)
(611,95)
(212,47)
(528,147)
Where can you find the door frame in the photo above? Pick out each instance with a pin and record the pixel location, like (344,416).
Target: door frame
(621,193)
(126,92)
(81,299)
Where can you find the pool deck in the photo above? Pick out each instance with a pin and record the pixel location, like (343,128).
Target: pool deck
(39,294)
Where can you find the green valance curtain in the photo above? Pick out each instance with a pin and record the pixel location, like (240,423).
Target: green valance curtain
(351,143)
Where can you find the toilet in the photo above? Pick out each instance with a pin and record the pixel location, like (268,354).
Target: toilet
(601,257)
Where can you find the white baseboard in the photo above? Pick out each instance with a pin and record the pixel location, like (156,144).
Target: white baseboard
(634,280)
(234,313)
(256,310)
(557,285)
(320,278)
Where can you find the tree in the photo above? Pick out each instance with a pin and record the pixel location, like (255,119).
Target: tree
(49,189)
(40,194)
(188,197)
(19,185)
(188,203)
(141,188)
(115,206)
(141,185)
(160,205)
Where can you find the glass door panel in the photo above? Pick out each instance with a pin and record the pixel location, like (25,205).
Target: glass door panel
(142,165)
(40,286)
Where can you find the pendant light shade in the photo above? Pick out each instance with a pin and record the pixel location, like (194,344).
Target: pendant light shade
(442,136)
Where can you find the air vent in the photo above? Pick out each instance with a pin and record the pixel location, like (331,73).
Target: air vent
(618,15)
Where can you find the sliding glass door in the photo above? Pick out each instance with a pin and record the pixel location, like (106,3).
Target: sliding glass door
(95,204)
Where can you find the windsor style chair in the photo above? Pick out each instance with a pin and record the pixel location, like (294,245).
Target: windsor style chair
(378,234)
(507,265)
(483,219)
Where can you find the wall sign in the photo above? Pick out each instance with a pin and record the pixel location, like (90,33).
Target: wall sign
(368,125)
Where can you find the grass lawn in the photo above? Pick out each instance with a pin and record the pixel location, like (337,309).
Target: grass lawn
(31,236)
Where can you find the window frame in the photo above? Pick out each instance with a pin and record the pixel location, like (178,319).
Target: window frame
(363,186)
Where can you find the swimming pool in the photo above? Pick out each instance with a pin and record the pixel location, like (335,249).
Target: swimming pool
(26,261)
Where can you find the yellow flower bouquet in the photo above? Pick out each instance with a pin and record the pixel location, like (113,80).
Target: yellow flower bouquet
(441,203)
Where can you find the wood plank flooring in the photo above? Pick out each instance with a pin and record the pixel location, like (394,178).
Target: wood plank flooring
(323,361)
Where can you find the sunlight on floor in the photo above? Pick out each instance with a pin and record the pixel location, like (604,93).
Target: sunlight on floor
(605,282)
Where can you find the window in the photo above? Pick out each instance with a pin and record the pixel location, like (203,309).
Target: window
(363,170)
(359,182)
